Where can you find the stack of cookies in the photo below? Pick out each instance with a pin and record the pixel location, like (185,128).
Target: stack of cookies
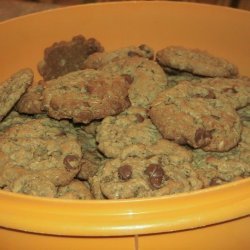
(128,123)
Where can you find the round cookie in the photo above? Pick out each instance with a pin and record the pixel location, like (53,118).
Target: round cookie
(12,89)
(147,79)
(236,91)
(220,168)
(85,95)
(31,101)
(195,61)
(153,175)
(192,116)
(33,184)
(98,60)
(128,128)
(44,147)
(76,190)
(67,56)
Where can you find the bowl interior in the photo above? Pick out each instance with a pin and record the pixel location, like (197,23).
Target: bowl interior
(221,31)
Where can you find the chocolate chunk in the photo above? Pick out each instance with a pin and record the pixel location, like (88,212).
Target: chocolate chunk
(128,78)
(202,137)
(133,53)
(156,175)
(139,118)
(71,162)
(125,172)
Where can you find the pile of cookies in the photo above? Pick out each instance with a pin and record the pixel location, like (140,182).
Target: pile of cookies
(128,123)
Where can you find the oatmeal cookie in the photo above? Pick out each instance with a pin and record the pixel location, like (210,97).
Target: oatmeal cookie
(67,56)
(236,91)
(76,190)
(128,128)
(193,116)
(31,101)
(195,61)
(244,114)
(85,95)
(146,78)
(219,168)
(98,60)
(12,89)
(155,175)
(45,147)
(33,184)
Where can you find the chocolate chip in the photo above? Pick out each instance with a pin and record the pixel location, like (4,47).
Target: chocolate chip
(181,141)
(209,95)
(216,181)
(143,47)
(216,117)
(139,118)
(230,90)
(155,182)
(132,54)
(125,172)
(156,175)
(128,78)
(202,137)
(71,162)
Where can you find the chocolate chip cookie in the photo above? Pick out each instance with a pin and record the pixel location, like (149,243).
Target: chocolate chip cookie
(193,116)
(98,60)
(42,146)
(76,190)
(128,128)
(236,91)
(31,101)
(195,61)
(154,175)
(12,89)
(67,56)
(85,95)
(146,78)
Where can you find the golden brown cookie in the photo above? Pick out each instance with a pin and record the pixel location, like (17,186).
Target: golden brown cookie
(12,89)
(195,61)
(85,95)
(195,117)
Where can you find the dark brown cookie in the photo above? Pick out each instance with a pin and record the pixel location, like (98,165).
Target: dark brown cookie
(67,56)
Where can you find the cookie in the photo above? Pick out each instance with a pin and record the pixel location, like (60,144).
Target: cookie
(34,184)
(98,60)
(85,95)
(146,78)
(193,116)
(219,168)
(154,175)
(195,61)
(31,102)
(12,89)
(128,128)
(76,190)
(244,114)
(43,146)
(236,91)
(67,56)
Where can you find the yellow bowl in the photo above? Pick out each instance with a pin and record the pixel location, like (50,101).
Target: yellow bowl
(214,218)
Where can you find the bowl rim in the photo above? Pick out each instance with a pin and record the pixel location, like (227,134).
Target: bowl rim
(125,217)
